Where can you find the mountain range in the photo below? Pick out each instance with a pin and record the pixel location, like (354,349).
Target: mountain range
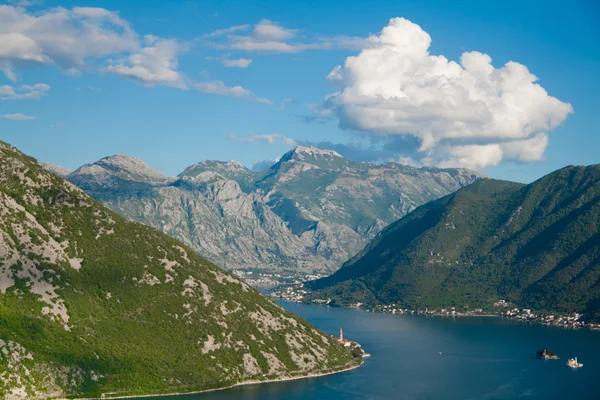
(536,245)
(307,214)
(93,305)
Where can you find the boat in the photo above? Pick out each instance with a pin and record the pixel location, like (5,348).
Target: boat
(573,363)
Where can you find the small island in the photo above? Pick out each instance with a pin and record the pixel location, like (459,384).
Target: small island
(573,363)
(546,355)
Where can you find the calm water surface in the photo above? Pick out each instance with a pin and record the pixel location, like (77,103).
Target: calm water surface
(483,358)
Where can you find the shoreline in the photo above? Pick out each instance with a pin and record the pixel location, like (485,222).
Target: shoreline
(586,326)
(244,383)
(591,327)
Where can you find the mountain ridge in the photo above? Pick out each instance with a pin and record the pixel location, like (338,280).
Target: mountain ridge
(535,245)
(301,201)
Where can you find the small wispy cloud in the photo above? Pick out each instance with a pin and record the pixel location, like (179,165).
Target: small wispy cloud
(237,63)
(221,89)
(226,31)
(272,138)
(17,117)
(271,37)
(231,63)
(24,3)
(23,92)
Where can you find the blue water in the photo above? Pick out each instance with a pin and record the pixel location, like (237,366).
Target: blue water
(483,358)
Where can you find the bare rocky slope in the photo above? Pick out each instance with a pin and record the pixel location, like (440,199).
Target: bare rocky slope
(94,305)
(307,214)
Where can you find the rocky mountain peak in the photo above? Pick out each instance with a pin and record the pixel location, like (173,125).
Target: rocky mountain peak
(56,169)
(309,213)
(112,171)
(231,169)
(130,165)
(303,153)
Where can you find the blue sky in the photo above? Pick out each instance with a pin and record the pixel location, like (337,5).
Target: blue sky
(189,92)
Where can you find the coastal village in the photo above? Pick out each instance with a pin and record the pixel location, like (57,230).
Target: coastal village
(501,308)
(267,280)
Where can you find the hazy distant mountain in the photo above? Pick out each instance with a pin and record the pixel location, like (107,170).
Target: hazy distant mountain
(92,304)
(229,169)
(56,169)
(309,212)
(118,172)
(536,245)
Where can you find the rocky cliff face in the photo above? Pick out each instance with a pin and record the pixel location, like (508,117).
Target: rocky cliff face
(92,304)
(307,214)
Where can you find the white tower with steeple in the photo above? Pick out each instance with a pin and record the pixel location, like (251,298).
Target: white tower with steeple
(341,334)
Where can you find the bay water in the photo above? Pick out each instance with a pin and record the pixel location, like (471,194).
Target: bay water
(481,358)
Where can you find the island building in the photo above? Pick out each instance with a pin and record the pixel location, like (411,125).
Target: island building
(346,343)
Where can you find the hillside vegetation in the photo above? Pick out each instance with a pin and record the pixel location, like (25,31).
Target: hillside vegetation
(92,304)
(537,246)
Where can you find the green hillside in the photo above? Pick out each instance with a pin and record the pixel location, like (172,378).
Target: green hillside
(536,245)
(92,304)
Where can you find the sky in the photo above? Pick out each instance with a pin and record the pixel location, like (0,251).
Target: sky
(507,88)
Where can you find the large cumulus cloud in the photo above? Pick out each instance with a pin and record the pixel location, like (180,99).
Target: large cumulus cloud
(467,114)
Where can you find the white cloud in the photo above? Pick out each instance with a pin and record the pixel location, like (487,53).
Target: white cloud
(526,150)
(153,65)
(252,44)
(62,37)
(226,31)
(221,89)
(268,30)
(231,63)
(254,138)
(467,114)
(22,92)
(218,87)
(472,156)
(84,38)
(24,3)
(405,160)
(17,117)
(6,69)
(237,63)
(269,36)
